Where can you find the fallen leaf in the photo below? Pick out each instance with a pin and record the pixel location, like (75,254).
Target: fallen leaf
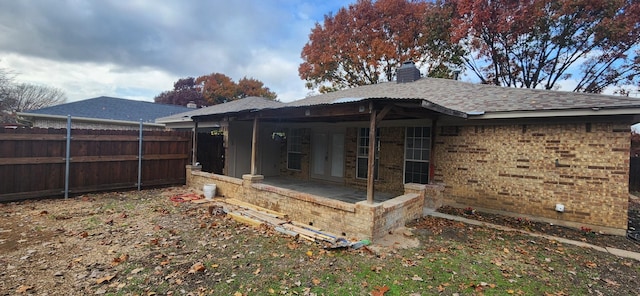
(510,291)
(105,279)
(83,234)
(257,272)
(506,251)
(610,282)
(272,291)
(197,267)
(417,278)
(237,294)
(591,264)
(137,270)
(315,281)
(309,253)
(379,291)
(23,289)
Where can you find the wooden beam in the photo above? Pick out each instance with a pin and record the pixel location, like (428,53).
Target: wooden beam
(372,156)
(254,147)
(384,112)
(194,148)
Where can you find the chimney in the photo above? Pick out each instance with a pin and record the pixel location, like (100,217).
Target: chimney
(407,72)
(192,105)
(456,74)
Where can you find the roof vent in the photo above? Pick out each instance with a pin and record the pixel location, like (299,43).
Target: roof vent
(192,105)
(407,72)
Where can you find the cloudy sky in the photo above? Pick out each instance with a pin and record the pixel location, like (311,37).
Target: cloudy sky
(138,48)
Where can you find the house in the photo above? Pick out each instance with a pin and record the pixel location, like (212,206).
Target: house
(101,113)
(419,143)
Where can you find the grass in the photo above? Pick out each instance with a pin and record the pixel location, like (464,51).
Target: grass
(168,239)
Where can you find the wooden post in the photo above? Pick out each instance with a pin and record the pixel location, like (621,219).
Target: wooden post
(194,144)
(372,155)
(254,147)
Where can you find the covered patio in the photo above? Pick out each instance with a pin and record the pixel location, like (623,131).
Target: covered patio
(338,209)
(330,190)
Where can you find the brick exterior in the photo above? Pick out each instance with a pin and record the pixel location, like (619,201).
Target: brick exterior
(513,168)
(354,221)
(391,163)
(499,167)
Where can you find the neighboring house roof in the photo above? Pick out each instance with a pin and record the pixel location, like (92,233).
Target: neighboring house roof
(473,98)
(245,104)
(110,108)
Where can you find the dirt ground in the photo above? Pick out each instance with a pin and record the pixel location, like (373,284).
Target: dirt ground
(585,235)
(142,243)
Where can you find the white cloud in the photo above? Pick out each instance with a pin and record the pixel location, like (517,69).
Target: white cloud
(137,49)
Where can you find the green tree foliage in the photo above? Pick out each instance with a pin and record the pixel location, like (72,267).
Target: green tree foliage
(536,43)
(366,42)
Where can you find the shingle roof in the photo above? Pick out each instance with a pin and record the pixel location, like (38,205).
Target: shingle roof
(245,104)
(113,109)
(468,97)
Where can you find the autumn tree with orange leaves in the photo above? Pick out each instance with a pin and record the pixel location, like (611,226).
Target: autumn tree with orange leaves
(536,43)
(213,89)
(366,42)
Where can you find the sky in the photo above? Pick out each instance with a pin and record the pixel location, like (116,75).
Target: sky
(136,49)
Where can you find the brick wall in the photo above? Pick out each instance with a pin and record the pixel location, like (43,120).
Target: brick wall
(354,221)
(391,163)
(528,169)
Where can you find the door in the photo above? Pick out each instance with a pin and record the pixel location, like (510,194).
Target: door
(327,154)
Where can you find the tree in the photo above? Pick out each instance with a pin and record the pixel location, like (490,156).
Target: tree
(218,88)
(6,80)
(366,42)
(249,87)
(25,96)
(536,43)
(185,90)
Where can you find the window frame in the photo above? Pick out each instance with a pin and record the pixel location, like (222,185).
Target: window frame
(363,135)
(422,152)
(294,140)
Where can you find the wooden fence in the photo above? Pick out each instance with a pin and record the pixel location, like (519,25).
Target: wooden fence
(33,161)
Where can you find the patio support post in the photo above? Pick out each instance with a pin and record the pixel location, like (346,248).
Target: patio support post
(194,144)
(372,155)
(254,147)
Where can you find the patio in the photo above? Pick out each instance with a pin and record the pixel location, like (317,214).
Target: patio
(326,189)
(338,209)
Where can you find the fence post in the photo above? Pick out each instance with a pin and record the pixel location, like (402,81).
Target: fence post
(67,158)
(140,157)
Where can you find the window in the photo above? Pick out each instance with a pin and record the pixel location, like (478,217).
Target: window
(294,149)
(417,150)
(363,153)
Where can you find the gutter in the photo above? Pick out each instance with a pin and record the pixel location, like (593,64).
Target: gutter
(477,115)
(88,119)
